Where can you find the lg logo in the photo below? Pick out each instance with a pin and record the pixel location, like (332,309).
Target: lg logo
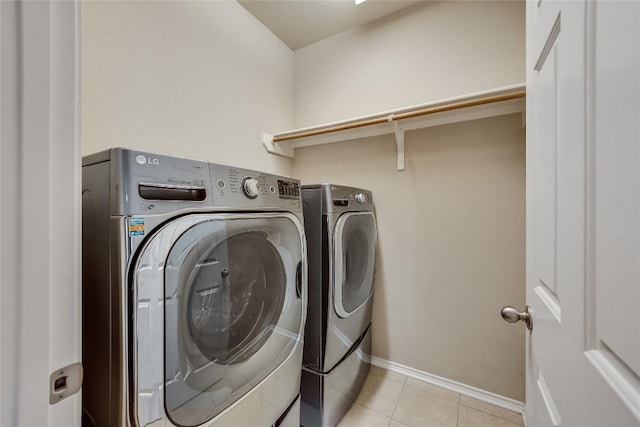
(143,160)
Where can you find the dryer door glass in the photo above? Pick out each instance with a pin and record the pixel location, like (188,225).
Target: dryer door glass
(355,241)
(233,311)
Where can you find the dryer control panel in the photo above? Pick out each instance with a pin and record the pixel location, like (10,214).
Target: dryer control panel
(339,198)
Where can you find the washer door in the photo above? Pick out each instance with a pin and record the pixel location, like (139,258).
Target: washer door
(355,254)
(233,309)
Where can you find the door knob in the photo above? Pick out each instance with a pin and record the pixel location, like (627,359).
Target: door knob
(512,315)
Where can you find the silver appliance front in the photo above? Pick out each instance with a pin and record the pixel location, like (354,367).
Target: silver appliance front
(352,269)
(334,392)
(229,316)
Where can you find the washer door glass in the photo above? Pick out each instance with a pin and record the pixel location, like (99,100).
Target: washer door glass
(232,311)
(355,241)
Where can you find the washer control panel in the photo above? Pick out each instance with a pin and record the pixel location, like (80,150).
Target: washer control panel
(250,187)
(288,189)
(243,188)
(149,183)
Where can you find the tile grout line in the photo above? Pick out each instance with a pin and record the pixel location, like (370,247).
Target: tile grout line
(459,401)
(371,409)
(493,415)
(448,384)
(405,384)
(395,408)
(390,379)
(434,394)
(384,377)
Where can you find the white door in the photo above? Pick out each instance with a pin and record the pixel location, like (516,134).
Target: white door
(40,255)
(583,213)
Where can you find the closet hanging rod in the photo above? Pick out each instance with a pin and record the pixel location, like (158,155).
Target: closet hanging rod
(401,116)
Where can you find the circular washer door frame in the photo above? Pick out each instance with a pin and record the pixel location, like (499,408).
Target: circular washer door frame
(147,366)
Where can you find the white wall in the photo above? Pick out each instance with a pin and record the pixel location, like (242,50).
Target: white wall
(200,79)
(429,51)
(452,225)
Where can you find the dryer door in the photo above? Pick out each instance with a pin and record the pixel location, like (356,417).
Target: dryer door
(233,309)
(355,253)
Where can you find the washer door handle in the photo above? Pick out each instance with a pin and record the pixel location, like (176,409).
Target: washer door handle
(299,280)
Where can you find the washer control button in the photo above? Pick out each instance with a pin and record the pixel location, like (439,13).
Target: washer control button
(250,187)
(220,184)
(361,198)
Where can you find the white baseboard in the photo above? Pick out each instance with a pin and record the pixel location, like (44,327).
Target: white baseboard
(467,390)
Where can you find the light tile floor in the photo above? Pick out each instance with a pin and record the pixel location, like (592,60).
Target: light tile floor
(391,399)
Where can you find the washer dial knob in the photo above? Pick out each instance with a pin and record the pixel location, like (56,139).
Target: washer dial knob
(361,198)
(250,187)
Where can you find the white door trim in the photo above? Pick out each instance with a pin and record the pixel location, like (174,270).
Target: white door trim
(40,228)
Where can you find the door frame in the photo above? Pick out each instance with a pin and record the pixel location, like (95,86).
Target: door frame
(40,228)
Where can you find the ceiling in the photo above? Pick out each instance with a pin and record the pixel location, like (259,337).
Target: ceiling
(299,23)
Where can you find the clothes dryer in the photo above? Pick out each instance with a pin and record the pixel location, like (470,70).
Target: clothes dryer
(194,292)
(341,235)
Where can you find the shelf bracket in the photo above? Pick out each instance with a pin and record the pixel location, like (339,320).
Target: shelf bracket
(399,132)
(271,147)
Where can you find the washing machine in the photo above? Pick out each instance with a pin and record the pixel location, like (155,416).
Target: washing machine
(194,293)
(341,233)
